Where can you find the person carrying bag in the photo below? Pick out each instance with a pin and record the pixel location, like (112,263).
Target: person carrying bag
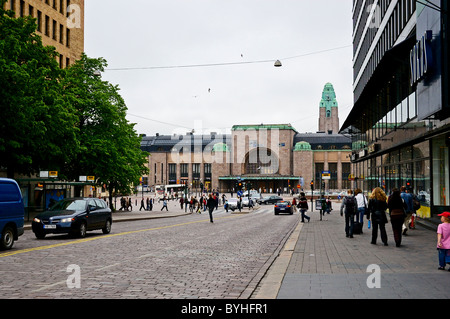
(376,213)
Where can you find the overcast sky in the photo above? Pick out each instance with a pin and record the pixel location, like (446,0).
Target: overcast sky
(159,42)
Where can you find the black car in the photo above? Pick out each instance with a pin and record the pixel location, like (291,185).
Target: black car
(270,200)
(74,216)
(283,207)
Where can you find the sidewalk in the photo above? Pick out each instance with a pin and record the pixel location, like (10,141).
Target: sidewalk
(319,262)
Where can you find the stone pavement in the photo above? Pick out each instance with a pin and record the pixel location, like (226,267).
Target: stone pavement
(174,210)
(320,262)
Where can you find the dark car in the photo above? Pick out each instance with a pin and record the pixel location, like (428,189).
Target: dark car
(12,213)
(74,216)
(270,200)
(283,207)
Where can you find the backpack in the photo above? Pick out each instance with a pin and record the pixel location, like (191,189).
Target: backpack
(350,205)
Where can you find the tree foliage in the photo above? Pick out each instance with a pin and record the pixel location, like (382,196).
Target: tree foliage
(109,146)
(67,120)
(37,125)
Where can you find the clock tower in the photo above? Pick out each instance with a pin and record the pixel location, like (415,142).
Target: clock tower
(329,119)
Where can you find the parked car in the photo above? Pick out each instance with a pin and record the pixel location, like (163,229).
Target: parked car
(232,204)
(283,207)
(12,213)
(245,201)
(270,200)
(74,216)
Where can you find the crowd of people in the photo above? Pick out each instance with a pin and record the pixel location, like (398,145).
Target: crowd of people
(401,206)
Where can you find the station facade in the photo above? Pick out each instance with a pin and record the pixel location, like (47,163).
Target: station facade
(265,157)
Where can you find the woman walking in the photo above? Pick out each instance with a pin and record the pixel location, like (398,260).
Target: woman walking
(397,208)
(377,214)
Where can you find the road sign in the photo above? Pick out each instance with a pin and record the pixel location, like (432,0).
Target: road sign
(326,175)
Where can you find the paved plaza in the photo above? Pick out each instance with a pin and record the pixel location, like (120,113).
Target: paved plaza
(319,262)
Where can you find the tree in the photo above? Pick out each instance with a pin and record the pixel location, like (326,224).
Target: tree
(109,145)
(37,129)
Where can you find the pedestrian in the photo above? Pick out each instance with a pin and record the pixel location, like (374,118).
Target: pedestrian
(408,199)
(329,205)
(164,204)
(142,204)
(122,203)
(303,207)
(151,204)
(348,208)
(199,206)
(130,206)
(397,212)
(443,240)
(361,200)
(211,203)
(376,212)
(181,202)
(323,206)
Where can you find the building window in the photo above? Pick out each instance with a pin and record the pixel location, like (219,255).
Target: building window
(47,25)
(39,21)
(61,34)
(55,30)
(261,161)
(207,172)
(195,171)
(31,11)
(172,173)
(68,37)
(184,170)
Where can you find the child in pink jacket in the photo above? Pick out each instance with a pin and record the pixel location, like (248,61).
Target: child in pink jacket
(443,240)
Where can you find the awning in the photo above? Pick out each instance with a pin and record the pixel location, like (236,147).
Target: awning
(258,178)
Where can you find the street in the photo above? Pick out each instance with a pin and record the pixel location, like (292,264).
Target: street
(179,257)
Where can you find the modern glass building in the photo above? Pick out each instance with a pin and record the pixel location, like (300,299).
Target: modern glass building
(400,124)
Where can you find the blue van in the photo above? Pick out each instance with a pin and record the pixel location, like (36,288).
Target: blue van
(12,213)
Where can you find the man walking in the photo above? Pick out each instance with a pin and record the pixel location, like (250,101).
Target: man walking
(164,204)
(211,203)
(349,208)
(408,199)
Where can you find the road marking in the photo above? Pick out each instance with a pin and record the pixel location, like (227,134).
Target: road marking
(85,240)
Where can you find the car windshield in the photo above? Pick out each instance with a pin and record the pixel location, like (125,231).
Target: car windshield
(74,204)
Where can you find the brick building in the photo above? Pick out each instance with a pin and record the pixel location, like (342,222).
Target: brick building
(60,23)
(266,156)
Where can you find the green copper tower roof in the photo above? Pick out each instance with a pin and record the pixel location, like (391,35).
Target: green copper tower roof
(328,98)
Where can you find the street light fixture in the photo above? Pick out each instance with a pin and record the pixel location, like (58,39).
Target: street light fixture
(278,64)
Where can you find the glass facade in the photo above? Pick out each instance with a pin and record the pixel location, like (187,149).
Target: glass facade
(403,135)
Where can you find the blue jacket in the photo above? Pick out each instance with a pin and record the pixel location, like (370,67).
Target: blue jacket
(408,201)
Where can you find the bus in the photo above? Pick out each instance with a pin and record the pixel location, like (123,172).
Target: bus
(177,189)
(159,190)
(169,190)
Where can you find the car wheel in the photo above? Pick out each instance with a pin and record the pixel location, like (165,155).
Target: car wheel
(82,230)
(39,235)
(7,239)
(107,228)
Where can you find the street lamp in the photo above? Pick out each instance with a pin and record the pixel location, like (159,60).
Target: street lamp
(278,64)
